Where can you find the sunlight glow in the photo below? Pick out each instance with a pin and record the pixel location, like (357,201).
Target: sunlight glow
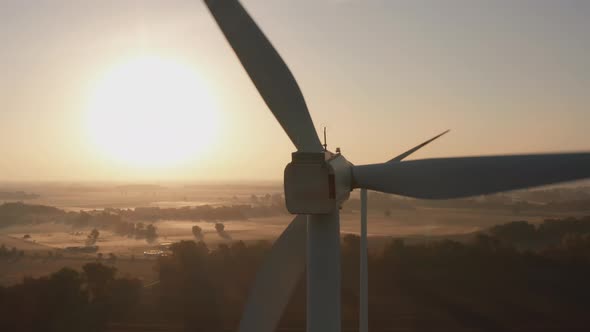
(151,112)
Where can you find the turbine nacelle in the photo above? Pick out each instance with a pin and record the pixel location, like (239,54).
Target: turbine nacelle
(317,182)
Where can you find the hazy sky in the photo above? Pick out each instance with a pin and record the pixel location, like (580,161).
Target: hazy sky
(505,76)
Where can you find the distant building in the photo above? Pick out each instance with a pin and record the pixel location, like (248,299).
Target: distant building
(154,253)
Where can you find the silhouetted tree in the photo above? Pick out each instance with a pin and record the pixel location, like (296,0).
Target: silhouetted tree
(98,278)
(197,232)
(60,302)
(112,258)
(253,199)
(92,237)
(518,233)
(151,233)
(220,228)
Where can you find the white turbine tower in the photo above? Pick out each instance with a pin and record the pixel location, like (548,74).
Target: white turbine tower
(317,182)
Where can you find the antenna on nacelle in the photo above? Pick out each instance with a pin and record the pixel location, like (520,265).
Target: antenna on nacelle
(325,141)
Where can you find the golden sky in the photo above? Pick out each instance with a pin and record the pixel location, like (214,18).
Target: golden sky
(381,75)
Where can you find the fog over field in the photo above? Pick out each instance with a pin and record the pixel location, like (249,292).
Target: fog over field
(245,212)
(399,220)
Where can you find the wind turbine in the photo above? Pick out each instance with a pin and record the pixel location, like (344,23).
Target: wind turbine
(317,182)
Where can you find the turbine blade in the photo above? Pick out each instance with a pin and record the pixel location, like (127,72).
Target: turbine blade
(416,148)
(268,72)
(446,178)
(276,279)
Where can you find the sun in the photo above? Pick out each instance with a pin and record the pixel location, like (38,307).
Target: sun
(151,112)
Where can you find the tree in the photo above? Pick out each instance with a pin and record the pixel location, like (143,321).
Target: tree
(189,251)
(198,233)
(186,279)
(64,301)
(487,242)
(151,233)
(220,228)
(83,219)
(520,234)
(112,257)
(253,199)
(98,278)
(139,230)
(92,237)
(125,296)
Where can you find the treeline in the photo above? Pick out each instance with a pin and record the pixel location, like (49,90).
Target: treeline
(567,202)
(20,213)
(561,194)
(112,221)
(549,234)
(26,214)
(14,195)
(134,222)
(203,212)
(12,253)
(492,283)
(486,284)
(69,300)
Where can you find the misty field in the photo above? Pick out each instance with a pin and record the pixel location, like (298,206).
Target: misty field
(53,237)
(43,242)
